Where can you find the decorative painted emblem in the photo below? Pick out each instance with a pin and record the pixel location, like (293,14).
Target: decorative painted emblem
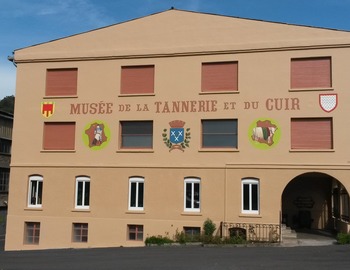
(179,138)
(47,109)
(96,135)
(328,102)
(264,133)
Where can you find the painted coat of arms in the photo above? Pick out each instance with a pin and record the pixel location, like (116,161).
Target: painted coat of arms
(47,109)
(178,137)
(328,102)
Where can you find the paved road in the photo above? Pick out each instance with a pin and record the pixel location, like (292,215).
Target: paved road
(203,258)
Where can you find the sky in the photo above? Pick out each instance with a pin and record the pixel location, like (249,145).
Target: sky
(28,22)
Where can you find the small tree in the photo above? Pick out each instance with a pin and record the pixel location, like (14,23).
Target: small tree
(209,227)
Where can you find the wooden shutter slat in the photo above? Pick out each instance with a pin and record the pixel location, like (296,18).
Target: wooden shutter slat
(59,136)
(220,76)
(137,80)
(311,133)
(311,73)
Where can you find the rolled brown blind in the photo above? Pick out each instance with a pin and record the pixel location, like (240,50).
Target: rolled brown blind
(222,76)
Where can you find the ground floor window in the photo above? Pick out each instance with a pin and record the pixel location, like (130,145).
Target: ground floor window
(80,232)
(250,196)
(192,233)
(32,233)
(192,194)
(135,232)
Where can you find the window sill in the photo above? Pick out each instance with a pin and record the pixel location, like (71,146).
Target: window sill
(218,150)
(81,210)
(135,151)
(33,208)
(311,150)
(310,89)
(219,92)
(191,214)
(57,151)
(139,212)
(58,97)
(137,95)
(246,215)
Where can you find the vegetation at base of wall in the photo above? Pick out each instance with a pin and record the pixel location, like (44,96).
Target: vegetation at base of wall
(209,227)
(207,237)
(343,238)
(158,240)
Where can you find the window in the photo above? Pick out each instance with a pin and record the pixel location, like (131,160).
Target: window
(82,192)
(61,82)
(221,76)
(311,133)
(80,232)
(59,136)
(137,80)
(135,232)
(192,194)
(5,146)
(32,233)
(250,196)
(219,133)
(311,73)
(136,134)
(4,179)
(192,233)
(35,191)
(136,190)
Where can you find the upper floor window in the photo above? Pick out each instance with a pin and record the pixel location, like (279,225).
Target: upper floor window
(5,146)
(59,136)
(137,80)
(250,196)
(136,134)
(4,179)
(136,193)
(35,191)
(219,133)
(219,76)
(311,133)
(311,73)
(192,194)
(82,192)
(61,82)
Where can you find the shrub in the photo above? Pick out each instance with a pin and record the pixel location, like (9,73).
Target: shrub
(158,240)
(343,238)
(209,227)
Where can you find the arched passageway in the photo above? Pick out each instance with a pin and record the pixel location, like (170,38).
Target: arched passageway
(315,201)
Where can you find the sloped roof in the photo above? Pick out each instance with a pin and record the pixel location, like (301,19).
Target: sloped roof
(175,32)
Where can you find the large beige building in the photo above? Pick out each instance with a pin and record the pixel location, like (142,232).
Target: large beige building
(151,126)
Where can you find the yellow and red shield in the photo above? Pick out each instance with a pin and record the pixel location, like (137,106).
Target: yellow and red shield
(47,109)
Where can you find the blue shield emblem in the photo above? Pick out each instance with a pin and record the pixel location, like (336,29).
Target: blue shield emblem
(176,135)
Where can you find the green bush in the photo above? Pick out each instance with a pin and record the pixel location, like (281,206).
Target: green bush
(209,227)
(343,238)
(158,240)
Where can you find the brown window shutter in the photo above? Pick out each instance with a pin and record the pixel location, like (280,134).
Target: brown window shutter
(311,73)
(61,82)
(59,136)
(221,76)
(137,80)
(311,133)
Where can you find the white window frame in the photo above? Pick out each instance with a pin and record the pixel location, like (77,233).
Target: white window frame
(84,180)
(192,181)
(250,182)
(39,180)
(136,180)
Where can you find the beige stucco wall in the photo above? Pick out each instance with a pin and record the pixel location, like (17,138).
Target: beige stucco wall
(264,75)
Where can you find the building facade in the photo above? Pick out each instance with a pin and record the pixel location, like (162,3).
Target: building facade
(151,126)
(6,122)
